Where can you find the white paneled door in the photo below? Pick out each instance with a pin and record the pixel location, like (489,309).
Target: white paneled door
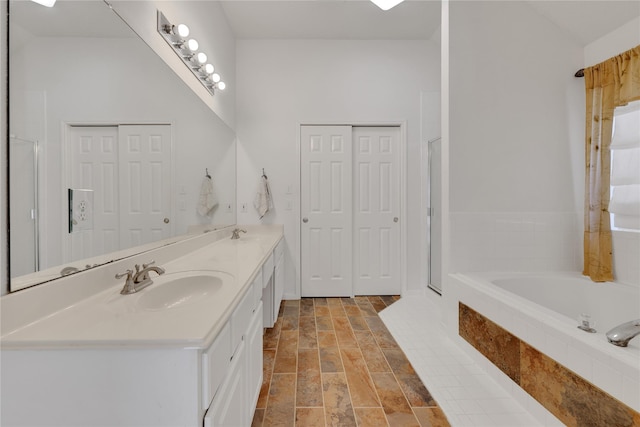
(326,210)
(376,208)
(93,165)
(129,170)
(350,210)
(145,183)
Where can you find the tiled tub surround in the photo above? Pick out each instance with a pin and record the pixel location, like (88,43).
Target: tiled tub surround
(90,356)
(332,362)
(612,369)
(533,241)
(516,241)
(573,400)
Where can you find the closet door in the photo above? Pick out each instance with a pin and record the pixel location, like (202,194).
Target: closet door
(93,165)
(145,183)
(376,210)
(326,210)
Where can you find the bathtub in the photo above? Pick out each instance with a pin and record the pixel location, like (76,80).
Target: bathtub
(543,310)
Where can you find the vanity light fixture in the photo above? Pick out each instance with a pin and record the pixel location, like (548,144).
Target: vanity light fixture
(187,51)
(48,3)
(386,4)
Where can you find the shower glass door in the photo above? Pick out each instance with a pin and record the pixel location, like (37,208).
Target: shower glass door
(434,214)
(24,206)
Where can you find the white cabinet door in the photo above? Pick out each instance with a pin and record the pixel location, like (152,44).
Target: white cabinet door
(229,407)
(254,361)
(240,319)
(215,363)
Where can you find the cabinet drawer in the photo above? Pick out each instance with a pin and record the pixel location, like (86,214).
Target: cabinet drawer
(240,318)
(215,362)
(267,270)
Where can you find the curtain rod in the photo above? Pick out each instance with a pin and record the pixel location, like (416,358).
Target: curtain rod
(579,73)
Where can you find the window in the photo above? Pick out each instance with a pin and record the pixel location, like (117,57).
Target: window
(625,168)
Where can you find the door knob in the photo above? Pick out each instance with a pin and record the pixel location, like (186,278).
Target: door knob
(305,220)
(166,220)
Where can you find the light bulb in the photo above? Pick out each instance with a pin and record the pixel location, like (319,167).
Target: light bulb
(201,57)
(182,30)
(215,77)
(192,45)
(208,68)
(221,85)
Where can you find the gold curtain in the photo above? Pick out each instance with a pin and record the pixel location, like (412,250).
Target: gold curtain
(608,85)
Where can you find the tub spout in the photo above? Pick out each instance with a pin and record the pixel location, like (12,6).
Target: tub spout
(623,333)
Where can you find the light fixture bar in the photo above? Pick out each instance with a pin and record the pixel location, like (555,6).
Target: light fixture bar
(187,51)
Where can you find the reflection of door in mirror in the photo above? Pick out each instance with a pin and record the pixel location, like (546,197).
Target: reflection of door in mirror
(24,209)
(128,168)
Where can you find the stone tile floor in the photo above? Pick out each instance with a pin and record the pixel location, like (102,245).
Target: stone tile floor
(332,362)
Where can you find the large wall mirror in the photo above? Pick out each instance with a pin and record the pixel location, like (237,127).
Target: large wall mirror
(109,149)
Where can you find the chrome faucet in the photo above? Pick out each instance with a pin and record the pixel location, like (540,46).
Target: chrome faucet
(622,334)
(140,279)
(235,234)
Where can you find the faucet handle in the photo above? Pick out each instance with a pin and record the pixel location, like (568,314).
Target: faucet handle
(148,264)
(127,273)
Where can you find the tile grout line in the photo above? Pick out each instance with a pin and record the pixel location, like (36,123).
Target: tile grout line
(315,323)
(344,371)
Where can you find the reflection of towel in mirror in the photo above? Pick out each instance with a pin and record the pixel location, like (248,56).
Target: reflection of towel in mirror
(208,199)
(262,201)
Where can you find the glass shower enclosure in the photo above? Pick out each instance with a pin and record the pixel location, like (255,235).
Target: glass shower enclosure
(434,214)
(23,217)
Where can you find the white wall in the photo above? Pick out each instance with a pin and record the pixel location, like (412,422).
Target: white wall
(626,245)
(516,134)
(284,83)
(116,81)
(614,43)
(208,25)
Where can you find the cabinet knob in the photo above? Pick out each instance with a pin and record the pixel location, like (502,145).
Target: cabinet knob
(166,220)
(305,220)
(395,219)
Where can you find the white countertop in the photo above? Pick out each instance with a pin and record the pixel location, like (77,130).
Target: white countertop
(108,319)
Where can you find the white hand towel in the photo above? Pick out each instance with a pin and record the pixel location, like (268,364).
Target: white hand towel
(262,201)
(208,199)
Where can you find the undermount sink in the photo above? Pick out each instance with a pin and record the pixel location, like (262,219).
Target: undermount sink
(180,289)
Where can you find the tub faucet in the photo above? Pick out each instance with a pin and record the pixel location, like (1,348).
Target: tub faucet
(236,233)
(623,333)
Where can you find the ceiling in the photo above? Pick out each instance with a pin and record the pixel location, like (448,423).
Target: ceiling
(331,19)
(587,21)
(584,21)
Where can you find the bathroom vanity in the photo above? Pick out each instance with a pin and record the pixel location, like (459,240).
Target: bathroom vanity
(185,351)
